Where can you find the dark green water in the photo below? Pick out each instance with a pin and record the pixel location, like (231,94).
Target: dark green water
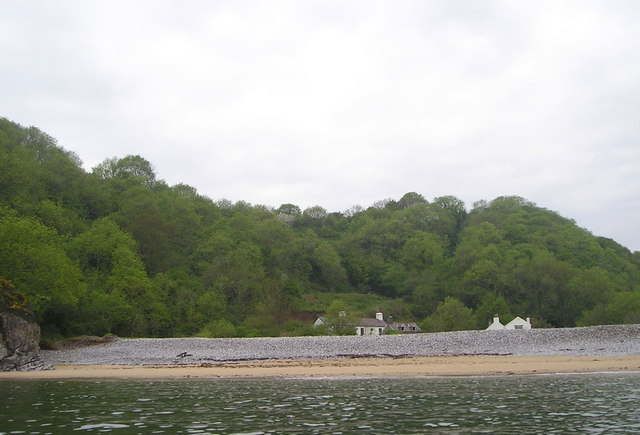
(596,403)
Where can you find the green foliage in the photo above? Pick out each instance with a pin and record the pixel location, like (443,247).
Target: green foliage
(355,304)
(450,315)
(12,300)
(221,328)
(340,320)
(296,328)
(123,299)
(133,169)
(491,305)
(623,307)
(33,257)
(119,251)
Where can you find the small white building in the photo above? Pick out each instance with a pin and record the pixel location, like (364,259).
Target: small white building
(371,326)
(366,326)
(517,323)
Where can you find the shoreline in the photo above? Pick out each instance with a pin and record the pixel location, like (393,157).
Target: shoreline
(371,367)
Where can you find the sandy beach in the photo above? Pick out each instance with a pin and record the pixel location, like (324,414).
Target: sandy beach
(347,367)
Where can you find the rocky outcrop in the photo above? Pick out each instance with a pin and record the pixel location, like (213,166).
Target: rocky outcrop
(19,349)
(19,332)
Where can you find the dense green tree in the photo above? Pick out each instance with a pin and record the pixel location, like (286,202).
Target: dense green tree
(115,274)
(325,264)
(133,168)
(288,213)
(421,251)
(33,258)
(484,277)
(482,241)
(141,215)
(544,282)
(409,200)
(220,328)
(237,275)
(623,307)
(490,306)
(94,248)
(450,315)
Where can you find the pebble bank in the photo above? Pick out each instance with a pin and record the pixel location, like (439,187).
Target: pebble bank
(589,341)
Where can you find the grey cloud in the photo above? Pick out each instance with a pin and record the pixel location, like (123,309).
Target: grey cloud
(338,104)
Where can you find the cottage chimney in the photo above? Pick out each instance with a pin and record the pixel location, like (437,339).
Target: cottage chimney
(496,318)
(528,320)
(379,316)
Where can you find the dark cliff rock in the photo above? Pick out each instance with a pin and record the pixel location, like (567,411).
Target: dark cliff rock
(19,333)
(19,348)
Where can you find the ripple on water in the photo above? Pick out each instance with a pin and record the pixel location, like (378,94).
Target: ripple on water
(102,426)
(483,405)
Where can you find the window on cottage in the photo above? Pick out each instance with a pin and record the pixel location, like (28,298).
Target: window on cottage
(519,327)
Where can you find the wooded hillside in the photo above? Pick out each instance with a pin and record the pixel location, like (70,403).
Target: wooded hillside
(119,251)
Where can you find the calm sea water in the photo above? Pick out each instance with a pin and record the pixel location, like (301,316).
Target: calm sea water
(595,403)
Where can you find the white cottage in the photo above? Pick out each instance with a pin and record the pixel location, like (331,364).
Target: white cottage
(364,326)
(517,323)
(371,326)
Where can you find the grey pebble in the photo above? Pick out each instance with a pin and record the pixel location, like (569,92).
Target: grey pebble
(591,341)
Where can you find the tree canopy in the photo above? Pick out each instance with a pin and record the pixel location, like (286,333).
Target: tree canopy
(117,250)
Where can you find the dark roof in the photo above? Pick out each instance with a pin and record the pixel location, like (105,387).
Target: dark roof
(365,322)
(370,323)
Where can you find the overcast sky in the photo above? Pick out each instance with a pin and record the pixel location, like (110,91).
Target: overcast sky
(343,103)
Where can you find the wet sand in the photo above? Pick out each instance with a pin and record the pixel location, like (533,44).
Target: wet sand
(478,365)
